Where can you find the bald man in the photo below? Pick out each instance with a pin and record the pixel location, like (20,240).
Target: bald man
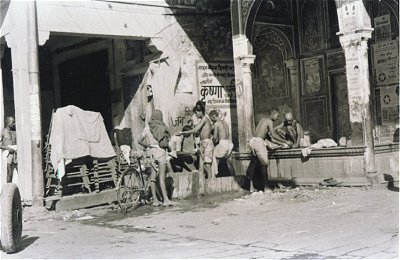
(8,142)
(290,130)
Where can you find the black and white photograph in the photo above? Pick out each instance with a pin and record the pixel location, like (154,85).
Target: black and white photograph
(199,129)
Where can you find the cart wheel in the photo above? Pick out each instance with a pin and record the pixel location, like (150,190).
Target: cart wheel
(11,217)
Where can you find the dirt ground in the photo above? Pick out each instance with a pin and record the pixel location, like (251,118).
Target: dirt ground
(300,223)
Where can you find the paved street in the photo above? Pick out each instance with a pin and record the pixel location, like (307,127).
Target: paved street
(284,224)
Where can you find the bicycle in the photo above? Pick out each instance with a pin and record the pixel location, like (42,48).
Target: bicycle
(133,187)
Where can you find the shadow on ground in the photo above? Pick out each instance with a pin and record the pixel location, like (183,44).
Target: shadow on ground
(389,178)
(25,242)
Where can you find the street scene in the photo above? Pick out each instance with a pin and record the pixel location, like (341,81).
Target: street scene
(199,129)
(347,223)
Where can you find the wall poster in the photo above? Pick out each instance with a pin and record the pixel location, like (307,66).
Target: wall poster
(386,62)
(216,87)
(382,28)
(389,104)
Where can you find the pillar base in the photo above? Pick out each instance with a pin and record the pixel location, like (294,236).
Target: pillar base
(373,179)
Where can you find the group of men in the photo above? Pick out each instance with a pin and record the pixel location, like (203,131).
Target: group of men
(211,131)
(215,144)
(288,134)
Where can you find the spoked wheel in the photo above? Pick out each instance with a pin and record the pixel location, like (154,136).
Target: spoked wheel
(11,218)
(128,190)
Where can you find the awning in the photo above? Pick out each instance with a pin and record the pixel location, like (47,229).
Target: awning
(96,18)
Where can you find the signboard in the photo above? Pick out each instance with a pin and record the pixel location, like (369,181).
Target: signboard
(382,28)
(386,62)
(389,104)
(216,87)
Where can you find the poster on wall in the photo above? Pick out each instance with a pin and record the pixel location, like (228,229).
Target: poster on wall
(311,76)
(186,76)
(216,87)
(389,105)
(382,28)
(356,91)
(386,62)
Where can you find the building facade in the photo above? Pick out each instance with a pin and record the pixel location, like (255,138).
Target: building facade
(333,63)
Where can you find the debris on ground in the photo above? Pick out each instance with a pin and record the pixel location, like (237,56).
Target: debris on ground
(297,194)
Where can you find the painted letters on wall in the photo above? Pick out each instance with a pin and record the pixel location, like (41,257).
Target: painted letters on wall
(216,87)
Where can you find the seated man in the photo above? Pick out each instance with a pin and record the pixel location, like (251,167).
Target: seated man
(290,130)
(264,131)
(176,142)
(183,152)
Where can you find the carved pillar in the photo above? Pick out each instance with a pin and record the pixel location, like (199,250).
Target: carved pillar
(246,62)
(293,68)
(243,83)
(355,31)
(357,70)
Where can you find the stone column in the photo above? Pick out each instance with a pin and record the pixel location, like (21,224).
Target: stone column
(244,92)
(35,106)
(355,31)
(293,68)
(23,43)
(3,170)
(358,84)
(247,83)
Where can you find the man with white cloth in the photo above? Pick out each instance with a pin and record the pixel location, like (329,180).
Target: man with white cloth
(9,144)
(265,136)
(222,145)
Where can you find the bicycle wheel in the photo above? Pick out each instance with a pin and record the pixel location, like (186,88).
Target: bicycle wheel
(128,190)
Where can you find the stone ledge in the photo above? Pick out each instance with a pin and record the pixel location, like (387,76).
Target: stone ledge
(192,184)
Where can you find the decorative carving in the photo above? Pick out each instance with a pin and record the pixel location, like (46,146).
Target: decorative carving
(245,9)
(336,60)
(272,48)
(267,35)
(311,31)
(271,73)
(312,75)
(276,10)
(315,118)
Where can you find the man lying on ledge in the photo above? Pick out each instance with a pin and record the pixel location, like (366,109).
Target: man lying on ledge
(290,130)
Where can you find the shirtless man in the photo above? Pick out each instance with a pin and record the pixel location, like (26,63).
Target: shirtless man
(223,146)
(8,142)
(291,130)
(206,144)
(265,130)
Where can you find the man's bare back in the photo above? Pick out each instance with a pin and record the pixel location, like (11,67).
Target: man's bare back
(265,130)
(221,130)
(264,127)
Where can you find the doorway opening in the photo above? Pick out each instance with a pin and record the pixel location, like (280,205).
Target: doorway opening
(85,83)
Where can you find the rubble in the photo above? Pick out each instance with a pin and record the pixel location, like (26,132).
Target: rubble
(297,194)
